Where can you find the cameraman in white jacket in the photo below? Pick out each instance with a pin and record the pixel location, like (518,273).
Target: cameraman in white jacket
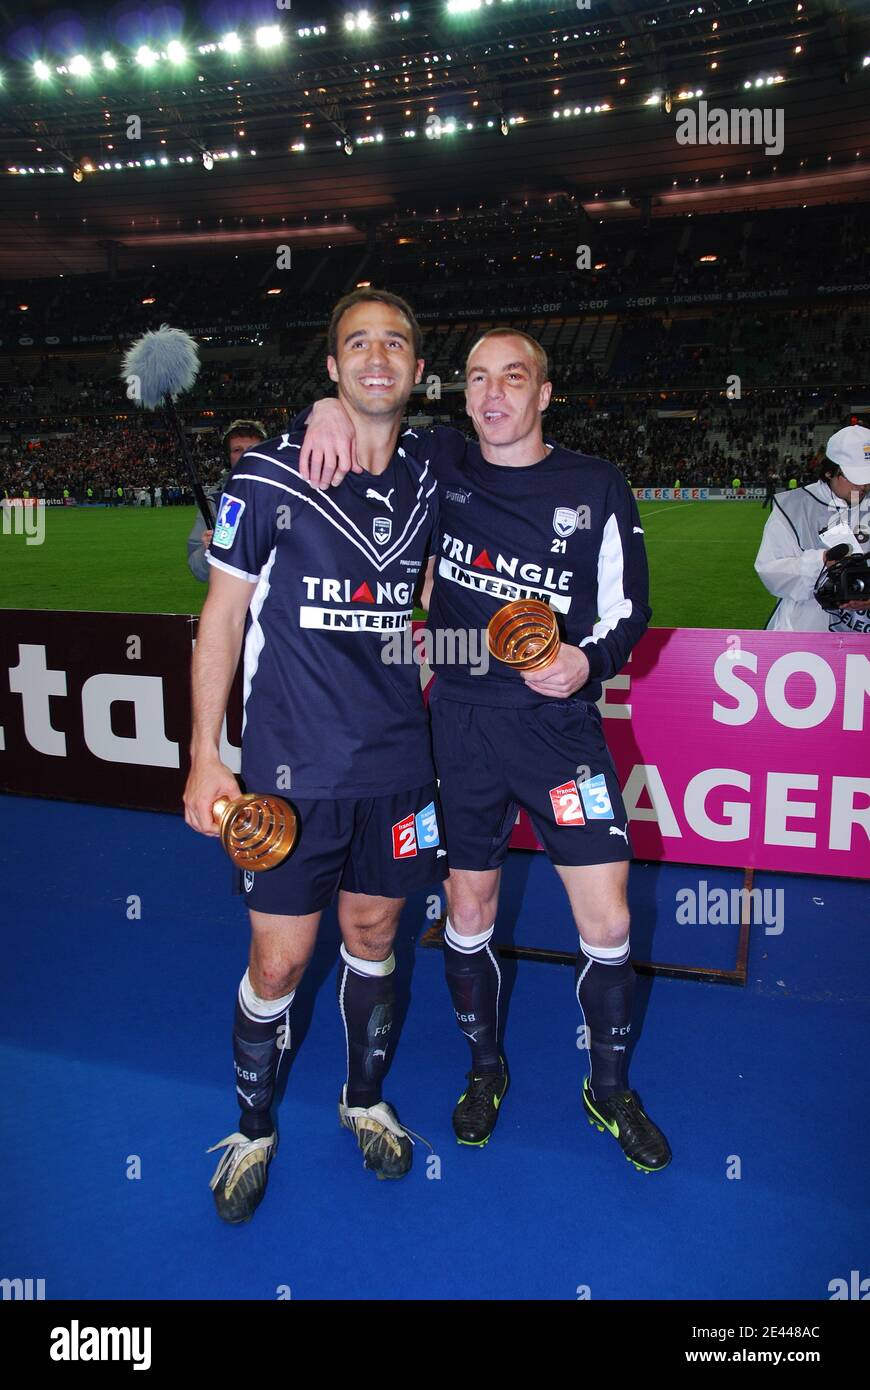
(807,522)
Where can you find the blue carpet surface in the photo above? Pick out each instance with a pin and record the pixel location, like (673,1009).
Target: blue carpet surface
(115,1056)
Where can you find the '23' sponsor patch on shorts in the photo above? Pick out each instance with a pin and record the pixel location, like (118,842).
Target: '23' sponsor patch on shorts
(385,846)
(550,759)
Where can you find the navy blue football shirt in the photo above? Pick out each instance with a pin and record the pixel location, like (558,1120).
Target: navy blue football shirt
(565,530)
(335,574)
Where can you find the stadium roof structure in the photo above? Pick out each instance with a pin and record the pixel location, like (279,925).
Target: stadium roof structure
(317,121)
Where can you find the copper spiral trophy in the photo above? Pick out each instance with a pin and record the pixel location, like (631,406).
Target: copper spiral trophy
(257,832)
(524,634)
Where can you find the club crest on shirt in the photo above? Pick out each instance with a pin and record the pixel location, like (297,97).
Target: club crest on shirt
(565,521)
(228,518)
(382,529)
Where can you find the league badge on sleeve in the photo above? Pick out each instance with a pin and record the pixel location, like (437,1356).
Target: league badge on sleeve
(228,518)
(596,798)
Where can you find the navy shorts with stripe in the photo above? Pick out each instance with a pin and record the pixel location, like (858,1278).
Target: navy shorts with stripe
(384,846)
(550,759)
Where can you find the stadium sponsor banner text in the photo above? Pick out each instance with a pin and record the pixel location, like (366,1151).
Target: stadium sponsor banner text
(613,303)
(744,748)
(699,494)
(96,707)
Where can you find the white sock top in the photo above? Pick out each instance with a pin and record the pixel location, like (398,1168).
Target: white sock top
(262,1009)
(467,943)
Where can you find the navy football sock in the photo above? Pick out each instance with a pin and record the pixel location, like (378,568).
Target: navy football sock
(261,1036)
(474,981)
(365,997)
(604,984)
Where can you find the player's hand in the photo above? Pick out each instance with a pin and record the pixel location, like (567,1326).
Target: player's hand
(567,674)
(328,450)
(858,605)
(208,780)
(206,539)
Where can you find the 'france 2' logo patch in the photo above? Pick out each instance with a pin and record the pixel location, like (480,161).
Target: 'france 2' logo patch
(228,518)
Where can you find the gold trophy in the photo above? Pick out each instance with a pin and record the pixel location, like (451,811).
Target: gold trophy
(257,832)
(524,634)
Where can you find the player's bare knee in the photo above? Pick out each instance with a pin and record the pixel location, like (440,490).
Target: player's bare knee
(471,915)
(605,929)
(274,980)
(370,938)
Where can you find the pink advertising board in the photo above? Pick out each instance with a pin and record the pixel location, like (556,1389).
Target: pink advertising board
(743,748)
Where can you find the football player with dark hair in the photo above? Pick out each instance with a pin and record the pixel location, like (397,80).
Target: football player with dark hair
(309,582)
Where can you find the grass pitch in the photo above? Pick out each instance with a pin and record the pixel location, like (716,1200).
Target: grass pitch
(134,560)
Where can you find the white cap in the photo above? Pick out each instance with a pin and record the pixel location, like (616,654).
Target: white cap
(850,448)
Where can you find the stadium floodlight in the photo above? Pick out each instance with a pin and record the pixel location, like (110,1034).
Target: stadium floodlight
(268,36)
(462,6)
(42,70)
(110,62)
(80,65)
(655,99)
(145,56)
(175,51)
(359,22)
(231,43)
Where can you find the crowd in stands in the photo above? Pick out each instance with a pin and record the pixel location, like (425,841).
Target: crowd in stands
(104,459)
(67,426)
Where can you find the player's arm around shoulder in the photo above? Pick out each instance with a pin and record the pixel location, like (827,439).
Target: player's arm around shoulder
(328,451)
